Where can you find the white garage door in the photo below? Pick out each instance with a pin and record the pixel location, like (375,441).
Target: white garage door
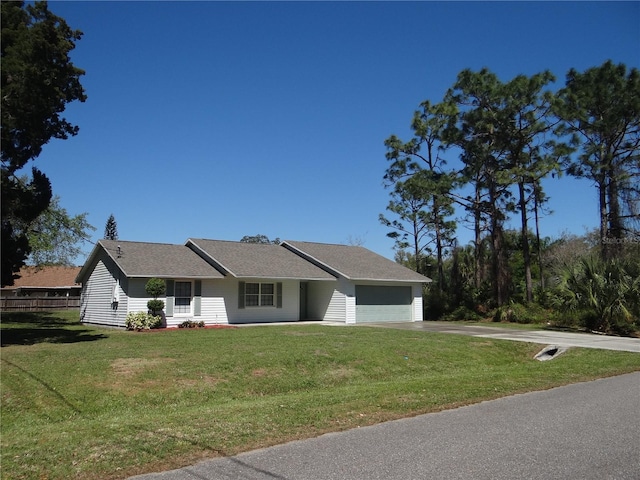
(383,304)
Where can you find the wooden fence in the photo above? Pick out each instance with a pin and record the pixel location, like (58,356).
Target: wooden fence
(38,304)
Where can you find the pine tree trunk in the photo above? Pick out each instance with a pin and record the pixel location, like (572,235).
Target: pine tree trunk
(498,263)
(535,209)
(526,252)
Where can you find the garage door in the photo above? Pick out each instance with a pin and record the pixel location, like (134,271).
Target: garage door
(383,304)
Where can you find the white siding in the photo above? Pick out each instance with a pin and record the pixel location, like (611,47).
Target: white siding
(98,293)
(212,307)
(417,303)
(336,311)
(324,303)
(332,301)
(138,297)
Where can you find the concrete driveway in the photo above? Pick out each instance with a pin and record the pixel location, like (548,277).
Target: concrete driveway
(544,337)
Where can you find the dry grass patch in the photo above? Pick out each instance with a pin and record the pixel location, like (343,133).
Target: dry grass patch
(129,367)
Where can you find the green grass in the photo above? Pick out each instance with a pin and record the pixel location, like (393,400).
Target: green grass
(91,403)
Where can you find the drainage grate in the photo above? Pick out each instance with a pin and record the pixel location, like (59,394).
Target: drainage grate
(549,353)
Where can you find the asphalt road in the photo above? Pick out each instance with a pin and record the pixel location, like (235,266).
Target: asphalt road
(584,431)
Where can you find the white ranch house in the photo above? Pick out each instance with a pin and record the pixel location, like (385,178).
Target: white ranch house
(222,282)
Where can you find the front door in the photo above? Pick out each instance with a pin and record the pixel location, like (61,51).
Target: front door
(304,286)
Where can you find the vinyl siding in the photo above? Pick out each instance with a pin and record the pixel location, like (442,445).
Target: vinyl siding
(138,297)
(336,312)
(333,301)
(213,309)
(418,308)
(97,296)
(319,298)
(212,306)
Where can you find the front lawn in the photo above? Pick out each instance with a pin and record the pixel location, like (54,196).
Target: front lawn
(91,403)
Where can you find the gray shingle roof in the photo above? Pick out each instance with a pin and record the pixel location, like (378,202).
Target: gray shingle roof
(255,260)
(140,259)
(355,263)
(202,258)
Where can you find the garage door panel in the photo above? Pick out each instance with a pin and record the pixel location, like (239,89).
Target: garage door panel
(380,295)
(376,303)
(383,313)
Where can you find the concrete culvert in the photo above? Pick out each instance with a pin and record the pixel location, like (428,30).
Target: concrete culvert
(549,353)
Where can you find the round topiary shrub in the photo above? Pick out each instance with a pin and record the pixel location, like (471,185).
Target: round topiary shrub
(155,305)
(155,287)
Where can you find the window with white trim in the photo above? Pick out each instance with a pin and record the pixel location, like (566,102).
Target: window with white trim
(259,295)
(182,298)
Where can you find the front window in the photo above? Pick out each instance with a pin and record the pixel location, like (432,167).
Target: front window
(182,297)
(259,295)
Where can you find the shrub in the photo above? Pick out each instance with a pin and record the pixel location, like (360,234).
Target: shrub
(142,321)
(462,313)
(436,303)
(191,324)
(155,305)
(155,287)
(518,313)
(603,293)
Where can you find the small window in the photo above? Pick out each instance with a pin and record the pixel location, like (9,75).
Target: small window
(259,295)
(182,298)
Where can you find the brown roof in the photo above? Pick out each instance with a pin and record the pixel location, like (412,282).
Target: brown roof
(47,277)
(355,263)
(258,260)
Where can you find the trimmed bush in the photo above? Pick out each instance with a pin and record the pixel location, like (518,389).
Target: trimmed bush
(155,305)
(155,287)
(191,324)
(142,321)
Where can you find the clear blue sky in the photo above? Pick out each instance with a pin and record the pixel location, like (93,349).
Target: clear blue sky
(224,119)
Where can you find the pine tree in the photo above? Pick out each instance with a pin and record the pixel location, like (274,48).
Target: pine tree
(111,229)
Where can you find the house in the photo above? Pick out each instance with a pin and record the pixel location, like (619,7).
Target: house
(50,281)
(223,282)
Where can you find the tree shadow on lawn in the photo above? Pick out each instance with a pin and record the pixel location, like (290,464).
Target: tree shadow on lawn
(30,328)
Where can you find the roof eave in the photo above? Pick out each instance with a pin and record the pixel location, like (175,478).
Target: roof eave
(395,280)
(278,277)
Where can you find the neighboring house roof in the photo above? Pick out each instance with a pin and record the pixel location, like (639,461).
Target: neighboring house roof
(47,277)
(161,260)
(257,260)
(355,263)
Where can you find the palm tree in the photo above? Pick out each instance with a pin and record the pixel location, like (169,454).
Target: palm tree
(607,292)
